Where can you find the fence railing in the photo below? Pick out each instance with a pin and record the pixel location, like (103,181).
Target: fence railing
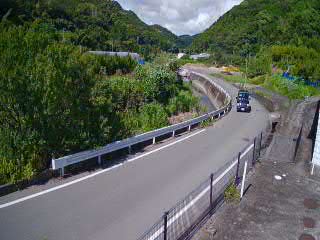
(298,142)
(183,218)
(63,162)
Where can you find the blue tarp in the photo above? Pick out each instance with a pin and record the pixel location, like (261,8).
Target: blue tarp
(307,82)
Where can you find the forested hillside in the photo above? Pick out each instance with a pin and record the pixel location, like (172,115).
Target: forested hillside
(255,23)
(262,33)
(95,24)
(57,99)
(184,41)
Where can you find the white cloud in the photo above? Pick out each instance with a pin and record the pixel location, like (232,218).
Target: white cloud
(180,16)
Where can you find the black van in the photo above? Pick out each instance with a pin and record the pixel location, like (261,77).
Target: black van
(243,101)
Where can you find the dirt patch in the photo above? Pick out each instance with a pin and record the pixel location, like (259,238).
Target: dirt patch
(181,118)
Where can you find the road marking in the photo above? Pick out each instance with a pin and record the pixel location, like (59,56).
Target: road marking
(193,201)
(95,174)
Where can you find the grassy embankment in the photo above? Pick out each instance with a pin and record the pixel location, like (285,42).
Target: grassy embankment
(291,89)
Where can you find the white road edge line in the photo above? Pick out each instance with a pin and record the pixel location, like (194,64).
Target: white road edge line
(183,210)
(96,173)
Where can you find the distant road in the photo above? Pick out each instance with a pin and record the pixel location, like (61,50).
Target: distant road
(122,203)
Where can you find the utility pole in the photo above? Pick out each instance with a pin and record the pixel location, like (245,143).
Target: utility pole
(246,75)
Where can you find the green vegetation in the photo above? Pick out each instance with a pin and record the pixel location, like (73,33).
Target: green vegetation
(230,78)
(255,23)
(263,36)
(267,38)
(207,123)
(231,194)
(56,99)
(292,89)
(94,24)
(184,41)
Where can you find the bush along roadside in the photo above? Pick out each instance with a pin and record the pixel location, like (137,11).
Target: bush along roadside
(208,123)
(232,194)
(78,102)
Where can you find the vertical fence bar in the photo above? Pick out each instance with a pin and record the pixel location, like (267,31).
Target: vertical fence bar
(254,150)
(211,191)
(99,160)
(237,180)
(165,225)
(260,144)
(62,171)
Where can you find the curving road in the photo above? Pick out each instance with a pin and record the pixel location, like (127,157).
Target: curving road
(122,203)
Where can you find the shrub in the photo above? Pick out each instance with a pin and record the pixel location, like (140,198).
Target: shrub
(231,194)
(184,102)
(152,116)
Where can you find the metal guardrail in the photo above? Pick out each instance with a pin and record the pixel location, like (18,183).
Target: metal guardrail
(63,162)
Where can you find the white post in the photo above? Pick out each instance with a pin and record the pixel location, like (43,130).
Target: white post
(154,141)
(62,171)
(189,128)
(312,169)
(99,160)
(173,133)
(244,178)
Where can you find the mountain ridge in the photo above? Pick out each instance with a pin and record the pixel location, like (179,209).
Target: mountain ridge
(255,23)
(95,24)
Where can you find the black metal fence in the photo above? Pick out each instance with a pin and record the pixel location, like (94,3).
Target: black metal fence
(185,217)
(298,142)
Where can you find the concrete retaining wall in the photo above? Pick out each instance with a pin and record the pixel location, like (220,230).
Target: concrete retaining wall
(217,98)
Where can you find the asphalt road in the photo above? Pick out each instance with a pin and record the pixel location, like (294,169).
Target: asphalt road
(123,203)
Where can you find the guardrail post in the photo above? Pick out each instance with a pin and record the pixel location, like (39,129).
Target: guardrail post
(237,180)
(165,225)
(189,128)
(62,171)
(211,191)
(260,144)
(130,150)
(99,160)
(254,150)
(173,133)
(154,141)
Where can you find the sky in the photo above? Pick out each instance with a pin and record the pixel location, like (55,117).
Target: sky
(180,16)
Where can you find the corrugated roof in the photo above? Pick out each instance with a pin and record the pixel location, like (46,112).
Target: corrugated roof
(135,56)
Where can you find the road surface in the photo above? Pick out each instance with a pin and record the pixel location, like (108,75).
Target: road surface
(122,203)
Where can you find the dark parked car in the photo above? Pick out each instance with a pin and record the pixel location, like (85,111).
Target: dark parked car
(243,94)
(243,101)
